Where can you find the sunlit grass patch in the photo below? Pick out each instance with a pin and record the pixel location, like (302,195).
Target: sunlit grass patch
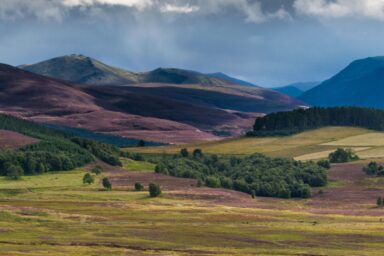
(140,166)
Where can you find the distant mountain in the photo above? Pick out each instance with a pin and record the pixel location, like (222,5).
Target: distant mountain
(165,105)
(289,90)
(230,79)
(296,89)
(85,70)
(361,83)
(305,86)
(81,69)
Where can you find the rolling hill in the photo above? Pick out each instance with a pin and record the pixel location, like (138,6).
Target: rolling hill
(81,69)
(359,84)
(165,105)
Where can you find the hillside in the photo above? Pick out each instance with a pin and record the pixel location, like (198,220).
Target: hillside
(81,69)
(231,79)
(52,101)
(164,105)
(359,84)
(85,70)
(308,145)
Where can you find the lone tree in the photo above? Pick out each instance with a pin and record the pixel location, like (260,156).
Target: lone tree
(107,184)
(342,156)
(380,201)
(184,152)
(141,143)
(88,179)
(253,193)
(97,170)
(197,153)
(139,186)
(154,190)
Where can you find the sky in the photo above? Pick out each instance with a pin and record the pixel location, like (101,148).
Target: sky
(267,42)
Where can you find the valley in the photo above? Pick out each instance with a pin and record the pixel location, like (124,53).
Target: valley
(56,213)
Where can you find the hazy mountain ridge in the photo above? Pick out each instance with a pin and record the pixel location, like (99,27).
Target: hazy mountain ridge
(361,83)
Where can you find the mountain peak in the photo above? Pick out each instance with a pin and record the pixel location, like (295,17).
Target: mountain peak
(359,84)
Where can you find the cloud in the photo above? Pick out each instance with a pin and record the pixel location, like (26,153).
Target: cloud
(178,8)
(251,10)
(373,9)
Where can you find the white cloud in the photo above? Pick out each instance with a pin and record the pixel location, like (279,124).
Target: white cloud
(140,4)
(373,9)
(251,10)
(179,8)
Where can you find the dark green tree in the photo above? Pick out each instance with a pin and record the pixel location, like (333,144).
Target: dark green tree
(154,190)
(139,186)
(88,179)
(379,201)
(97,170)
(184,152)
(106,183)
(197,153)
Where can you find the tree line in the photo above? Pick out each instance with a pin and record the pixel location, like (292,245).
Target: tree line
(56,151)
(285,123)
(255,174)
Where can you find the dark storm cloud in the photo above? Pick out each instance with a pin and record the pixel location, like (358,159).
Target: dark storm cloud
(268,42)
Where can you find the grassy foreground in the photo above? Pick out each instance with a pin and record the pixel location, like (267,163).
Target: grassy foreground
(314,144)
(54,214)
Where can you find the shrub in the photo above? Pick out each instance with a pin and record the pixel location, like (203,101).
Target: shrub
(14,172)
(342,156)
(88,179)
(212,182)
(154,190)
(226,182)
(184,152)
(97,170)
(139,186)
(106,183)
(379,201)
(197,153)
(141,143)
(374,169)
(324,163)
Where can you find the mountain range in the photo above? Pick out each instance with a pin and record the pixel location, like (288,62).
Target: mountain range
(163,105)
(361,83)
(296,89)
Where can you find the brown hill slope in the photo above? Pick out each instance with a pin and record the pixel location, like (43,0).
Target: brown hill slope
(48,100)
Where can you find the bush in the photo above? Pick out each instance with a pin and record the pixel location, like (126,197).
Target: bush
(139,186)
(374,169)
(106,183)
(141,143)
(197,153)
(14,172)
(88,179)
(184,152)
(97,170)
(212,182)
(379,201)
(342,156)
(324,163)
(154,190)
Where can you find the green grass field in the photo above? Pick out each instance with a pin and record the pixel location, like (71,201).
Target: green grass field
(54,214)
(138,166)
(309,145)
